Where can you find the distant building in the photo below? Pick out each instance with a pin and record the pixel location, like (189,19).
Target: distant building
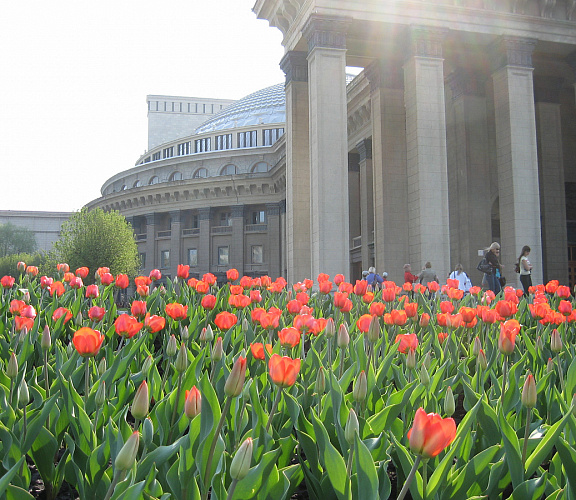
(45,225)
(460,130)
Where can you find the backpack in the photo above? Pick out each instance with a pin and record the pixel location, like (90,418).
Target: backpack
(517,267)
(484,266)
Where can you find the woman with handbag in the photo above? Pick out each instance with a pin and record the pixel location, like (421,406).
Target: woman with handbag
(525,269)
(492,255)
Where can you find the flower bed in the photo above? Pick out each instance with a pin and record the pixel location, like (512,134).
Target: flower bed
(248,389)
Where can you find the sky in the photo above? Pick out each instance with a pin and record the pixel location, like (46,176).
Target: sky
(74,76)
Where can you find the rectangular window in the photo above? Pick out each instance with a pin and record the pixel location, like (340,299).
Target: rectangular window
(165,259)
(202,145)
(225,219)
(257,254)
(259,217)
(247,139)
(223,254)
(168,152)
(156,156)
(223,142)
(193,257)
(271,135)
(194,222)
(142,260)
(184,148)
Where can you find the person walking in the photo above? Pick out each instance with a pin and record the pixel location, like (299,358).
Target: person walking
(408,276)
(374,279)
(525,269)
(492,255)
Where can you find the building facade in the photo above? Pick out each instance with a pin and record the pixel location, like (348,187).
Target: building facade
(460,130)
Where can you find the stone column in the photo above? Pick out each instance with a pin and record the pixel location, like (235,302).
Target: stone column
(283,261)
(366,200)
(204,240)
(330,242)
(151,257)
(273,252)
(354,190)
(298,257)
(551,180)
(175,241)
(468,171)
(517,157)
(237,244)
(428,230)
(390,193)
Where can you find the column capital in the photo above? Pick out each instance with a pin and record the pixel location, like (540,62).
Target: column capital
(204,213)
(272,208)
(512,51)
(326,32)
(150,219)
(426,42)
(364,148)
(175,216)
(384,74)
(547,89)
(353,162)
(237,211)
(464,82)
(295,66)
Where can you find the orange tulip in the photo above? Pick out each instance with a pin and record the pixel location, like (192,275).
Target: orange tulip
(407,341)
(176,311)
(377,309)
(289,337)
(62,311)
(507,339)
(182,271)
(57,287)
(138,308)
(232,274)
(225,320)
(411,309)
(258,350)
(283,370)
(430,433)
(121,281)
(363,322)
(193,402)
(87,341)
(208,301)
(127,326)
(154,323)
(399,317)
(565,307)
(7,281)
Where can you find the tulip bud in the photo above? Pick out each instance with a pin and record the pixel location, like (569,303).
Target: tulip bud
(184,333)
(352,427)
(555,341)
(172,346)
(529,392)
(411,359)
(46,341)
(70,349)
(102,367)
(424,376)
(207,334)
(477,346)
(320,385)
(78,319)
(100,397)
(147,431)
(192,403)
(343,337)
(148,362)
(241,462)
(141,402)
(360,388)
(25,295)
(22,335)
(23,394)
(549,365)
(127,455)
(427,360)
(330,329)
(374,329)
(482,361)
(539,343)
(162,290)
(21,266)
(12,368)
(218,350)
(244,325)
(449,403)
(235,381)
(181,363)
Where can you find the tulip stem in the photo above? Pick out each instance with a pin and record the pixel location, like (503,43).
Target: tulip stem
(225,411)
(117,476)
(560,372)
(232,488)
(526,435)
(274,406)
(341,363)
(175,406)
(24,424)
(409,478)
(350,458)
(424,478)
(504,375)
(86,383)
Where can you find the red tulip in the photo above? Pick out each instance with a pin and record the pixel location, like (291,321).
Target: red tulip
(446,307)
(325,287)
(338,278)
(82,272)
(32,271)
(155,274)
(442,336)
(507,339)
(347,306)
(283,370)
(411,309)
(506,308)
(208,301)
(183,271)
(57,287)
(209,278)
(154,323)
(68,276)
(363,322)
(127,326)
(75,282)
(257,350)
(92,291)
(232,274)
(202,287)
(143,290)
(138,308)
(225,320)
(430,433)
(424,320)
(399,317)
(87,341)
(289,337)
(16,306)
(360,287)
(255,296)
(106,279)
(121,281)
(142,281)
(63,268)
(389,294)
(377,309)
(563,292)
(62,311)
(21,322)
(407,341)
(565,307)
(96,313)
(176,311)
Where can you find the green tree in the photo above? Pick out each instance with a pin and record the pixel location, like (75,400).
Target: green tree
(16,239)
(95,238)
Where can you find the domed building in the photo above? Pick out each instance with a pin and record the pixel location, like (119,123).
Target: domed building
(459,131)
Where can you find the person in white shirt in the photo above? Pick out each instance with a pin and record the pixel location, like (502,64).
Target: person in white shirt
(464,282)
(525,269)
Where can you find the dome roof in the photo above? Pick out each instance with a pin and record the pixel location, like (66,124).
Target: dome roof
(264,106)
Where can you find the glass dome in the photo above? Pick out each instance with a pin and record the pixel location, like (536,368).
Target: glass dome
(264,106)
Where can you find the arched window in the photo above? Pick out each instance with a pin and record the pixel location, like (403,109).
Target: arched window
(137,184)
(228,170)
(176,176)
(153,180)
(261,166)
(200,173)
(124,187)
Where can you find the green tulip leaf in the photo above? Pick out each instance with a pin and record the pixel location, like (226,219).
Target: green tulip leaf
(533,488)
(7,478)
(512,449)
(366,471)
